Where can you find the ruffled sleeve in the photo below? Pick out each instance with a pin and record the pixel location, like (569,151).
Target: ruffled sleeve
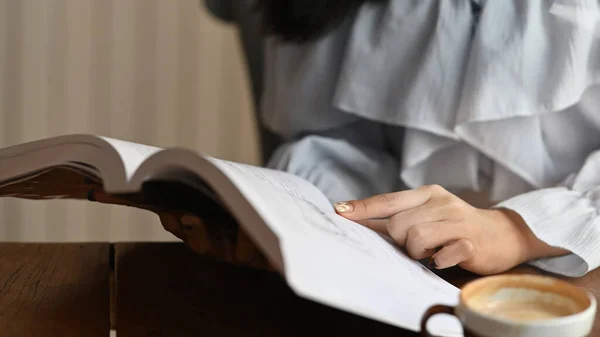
(566,216)
(564,110)
(582,13)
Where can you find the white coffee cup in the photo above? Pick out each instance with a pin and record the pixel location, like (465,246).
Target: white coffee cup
(521,306)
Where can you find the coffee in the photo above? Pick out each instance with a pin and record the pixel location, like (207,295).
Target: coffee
(524,299)
(520,305)
(523,304)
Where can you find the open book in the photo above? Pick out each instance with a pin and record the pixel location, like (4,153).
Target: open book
(322,256)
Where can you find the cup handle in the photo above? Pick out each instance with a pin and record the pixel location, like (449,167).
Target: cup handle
(436,309)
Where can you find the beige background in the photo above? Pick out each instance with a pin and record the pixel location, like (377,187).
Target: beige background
(161,72)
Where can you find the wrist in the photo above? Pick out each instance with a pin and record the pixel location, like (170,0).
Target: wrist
(532,248)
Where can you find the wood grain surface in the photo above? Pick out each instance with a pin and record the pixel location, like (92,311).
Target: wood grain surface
(54,290)
(165,289)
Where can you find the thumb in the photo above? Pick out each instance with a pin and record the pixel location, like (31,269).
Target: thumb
(171,224)
(196,234)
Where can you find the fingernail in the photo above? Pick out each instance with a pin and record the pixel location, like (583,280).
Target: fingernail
(189,221)
(432,264)
(342,207)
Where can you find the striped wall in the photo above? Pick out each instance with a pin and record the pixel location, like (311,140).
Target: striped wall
(161,72)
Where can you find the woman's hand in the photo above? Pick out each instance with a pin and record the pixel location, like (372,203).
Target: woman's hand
(209,239)
(432,222)
(200,237)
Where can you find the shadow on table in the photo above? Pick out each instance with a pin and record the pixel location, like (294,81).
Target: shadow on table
(167,290)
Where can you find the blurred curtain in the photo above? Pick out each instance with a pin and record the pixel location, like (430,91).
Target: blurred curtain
(159,72)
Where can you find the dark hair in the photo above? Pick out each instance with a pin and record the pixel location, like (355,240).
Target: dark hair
(304,20)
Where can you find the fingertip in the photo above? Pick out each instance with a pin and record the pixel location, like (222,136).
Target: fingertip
(352,209)
(343,207)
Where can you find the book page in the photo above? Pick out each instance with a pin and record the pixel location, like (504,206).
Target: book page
(132,154)
(272,180)
(338,262)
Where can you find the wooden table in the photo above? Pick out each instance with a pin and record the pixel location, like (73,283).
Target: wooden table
(163,289)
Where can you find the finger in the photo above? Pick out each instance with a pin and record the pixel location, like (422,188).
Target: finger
(457,252)
(196,235)
(245,250)
(429,212)
(399,224)
(378,225)
(422,239)
(99,195)
(172,225)
(386,205)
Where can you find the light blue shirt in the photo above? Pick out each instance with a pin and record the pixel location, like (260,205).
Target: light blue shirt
(423,92)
